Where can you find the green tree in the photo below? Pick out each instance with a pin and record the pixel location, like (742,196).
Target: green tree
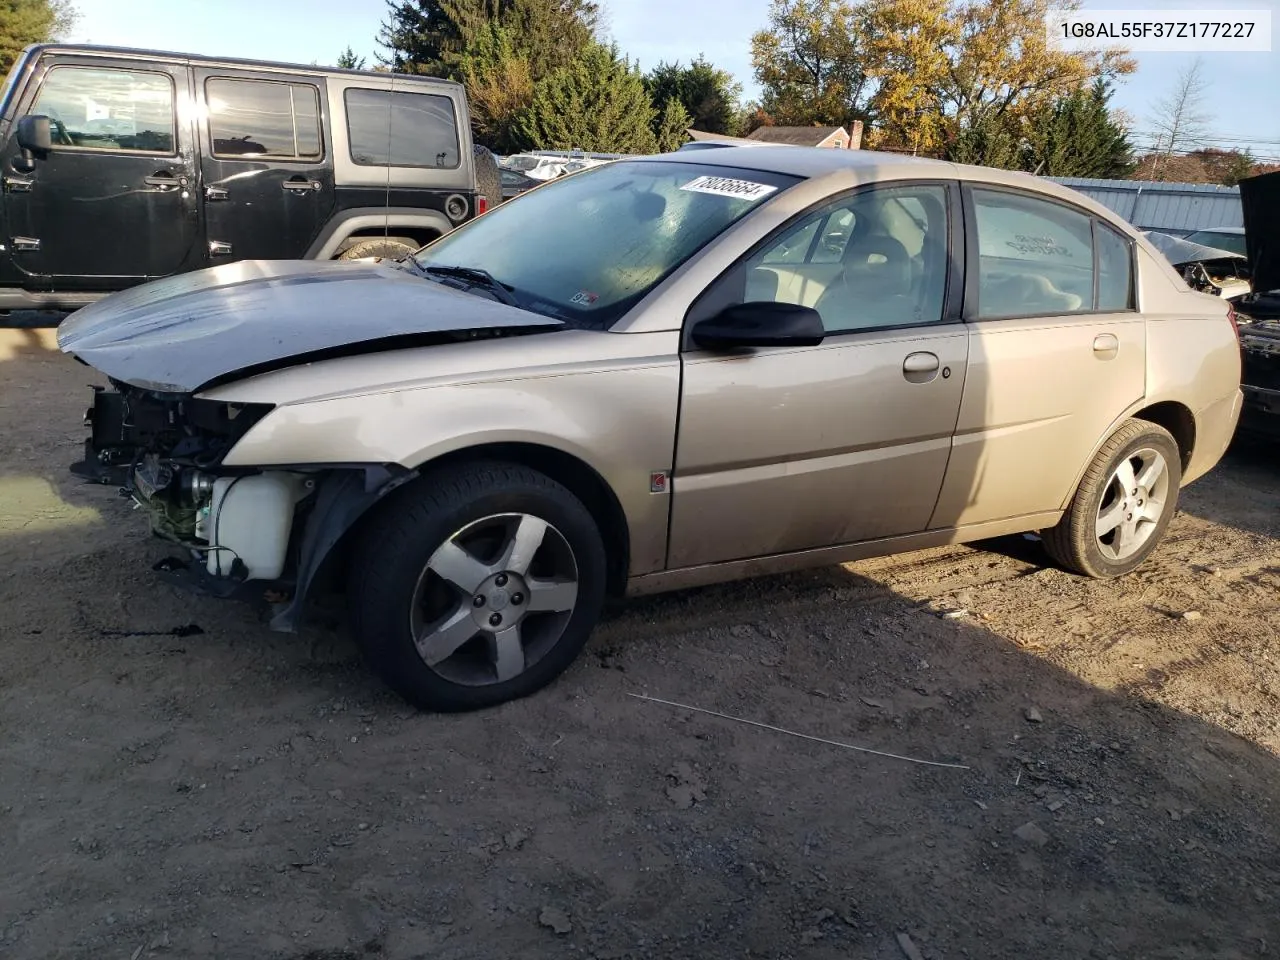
(672,126)
(990,141)
(810,64)
(24,22)
(709,96)
(348,60)
(1077,136)
(500,82)
(434,37)
(597,103)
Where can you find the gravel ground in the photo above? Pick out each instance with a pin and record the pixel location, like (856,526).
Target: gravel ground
(178,781)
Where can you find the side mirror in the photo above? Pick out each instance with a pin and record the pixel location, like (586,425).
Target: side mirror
(34,135)
(760,324)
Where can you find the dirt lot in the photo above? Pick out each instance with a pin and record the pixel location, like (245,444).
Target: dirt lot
(178,781)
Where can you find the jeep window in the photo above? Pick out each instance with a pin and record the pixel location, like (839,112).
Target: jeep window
(103,109)
(587,247)
(264,118)
(400,129)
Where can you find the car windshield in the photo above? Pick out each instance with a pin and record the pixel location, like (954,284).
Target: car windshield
(586,248)
(1231,242)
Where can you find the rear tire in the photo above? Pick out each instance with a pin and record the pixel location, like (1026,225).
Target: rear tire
(477,584)
(1123,505)
(377,247)
(488,179)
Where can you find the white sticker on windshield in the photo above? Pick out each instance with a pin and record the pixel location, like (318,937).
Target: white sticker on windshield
(728,187)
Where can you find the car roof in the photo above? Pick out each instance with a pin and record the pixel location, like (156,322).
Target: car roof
(171,56)
(869,166)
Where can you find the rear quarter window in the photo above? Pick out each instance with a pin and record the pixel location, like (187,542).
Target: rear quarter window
(399,128)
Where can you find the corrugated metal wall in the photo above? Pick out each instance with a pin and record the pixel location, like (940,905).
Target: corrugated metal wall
(1177,208)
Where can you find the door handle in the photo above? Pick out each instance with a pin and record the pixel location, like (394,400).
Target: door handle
(163,178)
(301,186)
(1106,345)
(920,363)
(216,193)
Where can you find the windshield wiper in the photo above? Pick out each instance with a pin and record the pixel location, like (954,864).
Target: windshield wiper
(479,277)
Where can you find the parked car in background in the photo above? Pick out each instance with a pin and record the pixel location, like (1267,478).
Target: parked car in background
(659,373)
(110,181)
(1222,238)
(515,183)
(1222,273)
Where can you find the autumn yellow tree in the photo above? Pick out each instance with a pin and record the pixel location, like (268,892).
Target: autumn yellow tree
(977,68)
(810,63)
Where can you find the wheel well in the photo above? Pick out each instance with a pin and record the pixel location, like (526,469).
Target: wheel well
(415,236)
(581,480)
(1178,420)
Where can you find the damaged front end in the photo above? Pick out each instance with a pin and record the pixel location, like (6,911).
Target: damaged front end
(248,533)
(1260,375)
(1220,273)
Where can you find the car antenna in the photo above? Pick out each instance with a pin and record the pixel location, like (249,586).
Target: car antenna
(386,200)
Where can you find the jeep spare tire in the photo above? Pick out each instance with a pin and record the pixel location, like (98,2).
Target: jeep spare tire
(488,179)
(388,249)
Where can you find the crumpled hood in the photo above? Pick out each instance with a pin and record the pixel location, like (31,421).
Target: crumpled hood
(1181,252)
(178,334)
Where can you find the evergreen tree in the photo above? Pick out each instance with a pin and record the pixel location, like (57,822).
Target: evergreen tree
(433,37)
(709,96)
(347,60)
(1077,136)
(672,125)
(596,103)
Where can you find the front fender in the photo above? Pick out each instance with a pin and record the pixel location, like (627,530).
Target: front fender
(617,419)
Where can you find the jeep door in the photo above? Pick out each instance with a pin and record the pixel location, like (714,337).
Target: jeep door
(267,172)
(113,202)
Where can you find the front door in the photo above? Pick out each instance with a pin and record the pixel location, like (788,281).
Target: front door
(787,449)
(1057,350)
(268,189)
(114,201)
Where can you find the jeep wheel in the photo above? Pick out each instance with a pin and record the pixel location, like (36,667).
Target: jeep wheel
(1123,505)
(377,247)
(488,179)
(476,585)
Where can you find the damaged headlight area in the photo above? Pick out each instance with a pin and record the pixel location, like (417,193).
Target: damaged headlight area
(165,452)
(247,532)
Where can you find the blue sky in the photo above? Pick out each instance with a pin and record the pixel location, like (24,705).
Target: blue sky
(1241,95)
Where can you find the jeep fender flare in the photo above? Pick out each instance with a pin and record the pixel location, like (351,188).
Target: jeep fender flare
(344,224)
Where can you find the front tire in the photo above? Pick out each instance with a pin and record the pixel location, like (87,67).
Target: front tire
(1123,505)
(475,585)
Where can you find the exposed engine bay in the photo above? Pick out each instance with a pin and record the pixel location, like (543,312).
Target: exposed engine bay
(248,532)
(164,451)
(1207,269)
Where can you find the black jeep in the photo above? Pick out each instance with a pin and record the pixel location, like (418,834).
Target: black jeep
(120,166)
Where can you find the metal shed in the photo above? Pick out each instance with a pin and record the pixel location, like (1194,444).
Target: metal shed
(1176,208)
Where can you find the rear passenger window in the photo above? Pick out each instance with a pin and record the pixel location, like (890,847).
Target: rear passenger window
(1115,269)
(264,118)
(1035,258)
(400,129)
(109,110)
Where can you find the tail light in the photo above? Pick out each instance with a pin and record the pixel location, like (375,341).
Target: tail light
(482,204)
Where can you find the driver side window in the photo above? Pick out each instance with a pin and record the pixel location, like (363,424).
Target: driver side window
(875,259)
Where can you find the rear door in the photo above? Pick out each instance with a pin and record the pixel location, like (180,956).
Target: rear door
(114,201)
(267,174)
(1057,351)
